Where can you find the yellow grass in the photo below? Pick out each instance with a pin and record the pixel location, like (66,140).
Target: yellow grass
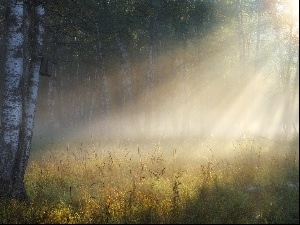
(161,181)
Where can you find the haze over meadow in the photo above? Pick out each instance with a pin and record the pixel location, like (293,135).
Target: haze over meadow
(151,111)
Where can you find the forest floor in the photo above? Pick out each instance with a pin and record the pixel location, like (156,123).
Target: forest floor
(160,181)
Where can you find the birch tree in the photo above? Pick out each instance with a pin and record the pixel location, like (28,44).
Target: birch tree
(17,127)
(11,106)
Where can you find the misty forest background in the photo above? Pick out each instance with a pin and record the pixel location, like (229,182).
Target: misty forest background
(164,111)
(169,68)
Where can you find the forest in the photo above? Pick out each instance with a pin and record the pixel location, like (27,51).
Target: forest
(149,111)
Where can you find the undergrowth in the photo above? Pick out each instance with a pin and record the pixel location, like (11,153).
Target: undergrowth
(244,181)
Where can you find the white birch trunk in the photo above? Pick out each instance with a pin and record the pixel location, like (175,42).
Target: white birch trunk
(30,106)
(11,106)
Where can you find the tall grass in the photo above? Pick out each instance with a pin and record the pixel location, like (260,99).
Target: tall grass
(191,181)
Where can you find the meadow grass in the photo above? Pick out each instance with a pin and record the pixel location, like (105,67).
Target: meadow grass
(160,181)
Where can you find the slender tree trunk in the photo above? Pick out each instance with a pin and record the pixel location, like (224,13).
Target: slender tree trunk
(257,51)
(126,76)
(105,100)
(242,61)
(51,94)
(52,91)
(61,106)
(185,89)
(22,156)
(77,105)
(105,105)
(287,115)
(150,71)
(241,34)
(127,93)
(172,98)
(295,98)
(12,104)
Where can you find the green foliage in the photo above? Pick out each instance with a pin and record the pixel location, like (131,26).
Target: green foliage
(82,183)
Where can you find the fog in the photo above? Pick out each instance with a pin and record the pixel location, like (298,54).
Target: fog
(206,96)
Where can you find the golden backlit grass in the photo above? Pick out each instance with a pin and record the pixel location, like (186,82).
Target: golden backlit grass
(167,181)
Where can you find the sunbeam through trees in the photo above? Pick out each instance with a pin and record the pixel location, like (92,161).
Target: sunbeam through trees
(149,111)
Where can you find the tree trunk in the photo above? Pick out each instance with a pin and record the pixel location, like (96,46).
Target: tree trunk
(150,72)
(295,99)
(12,104)
(257,50)
(242,62)
(52,91)
(241,34)
(287,123)
(19,191)
(17,133)
(185,90)
(102,89)
(127,94)
(126,76)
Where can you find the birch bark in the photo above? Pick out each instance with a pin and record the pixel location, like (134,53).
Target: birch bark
(25,139)
(12,102)
(17,118)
